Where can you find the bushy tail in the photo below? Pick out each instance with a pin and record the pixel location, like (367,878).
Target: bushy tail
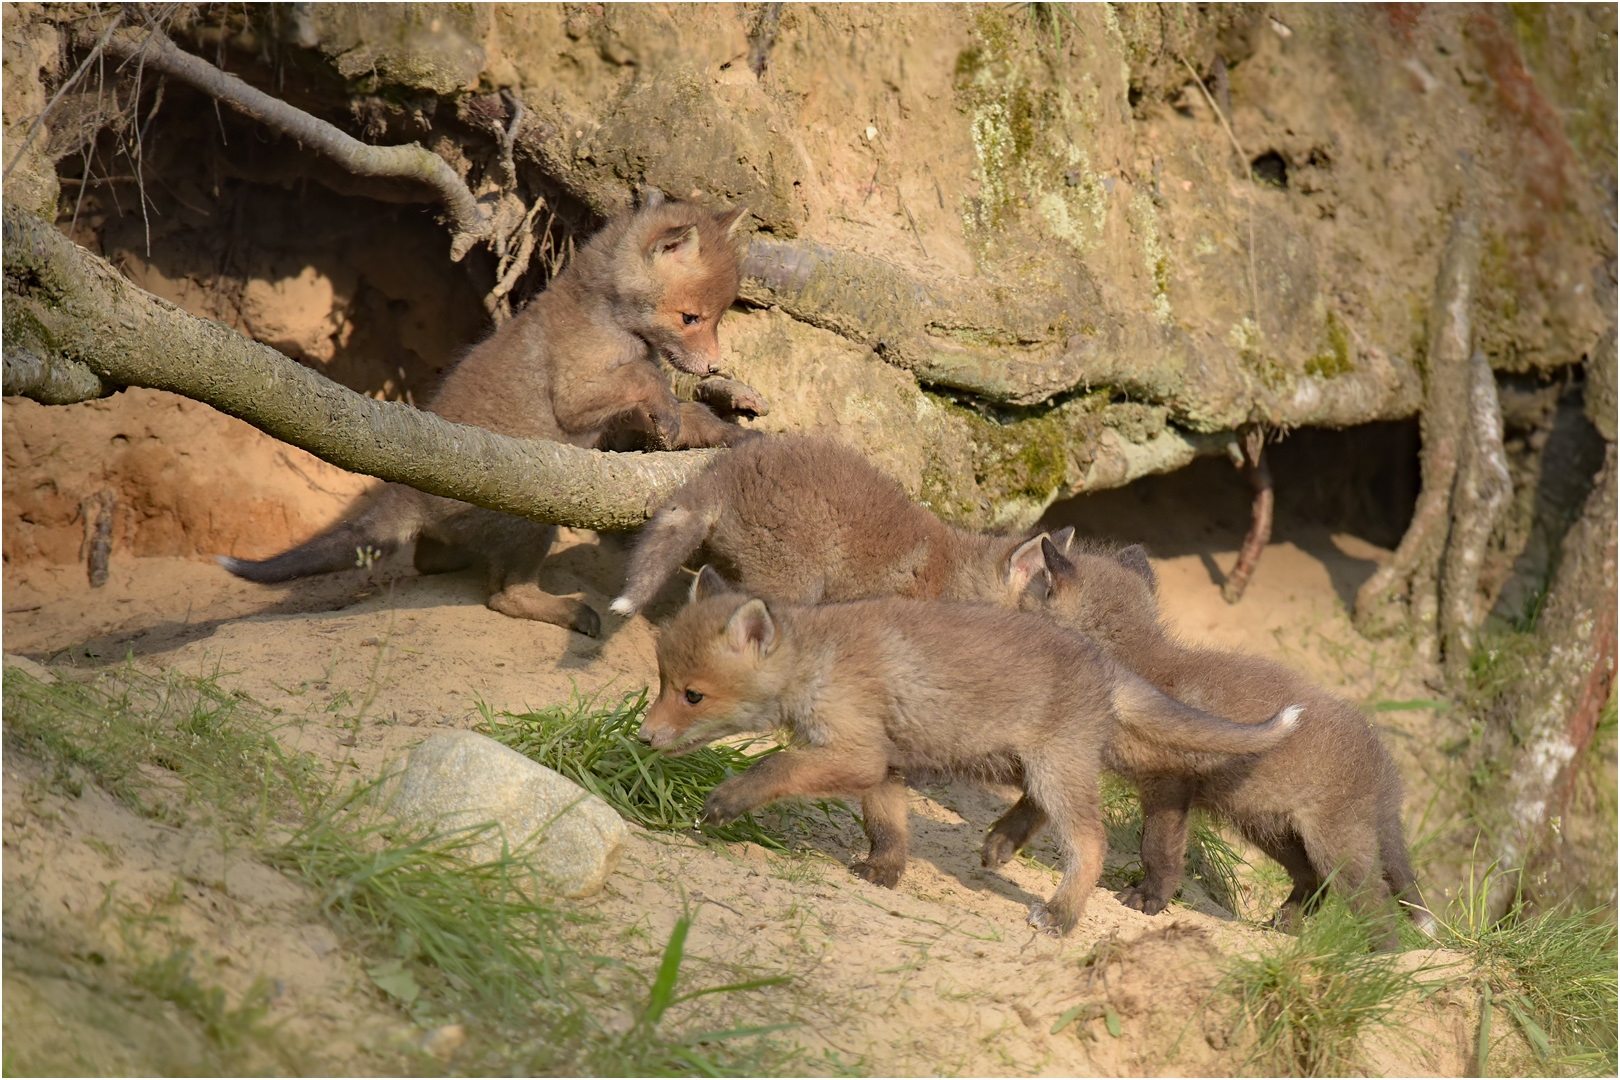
(1159,718)
(392,520)
(666,542)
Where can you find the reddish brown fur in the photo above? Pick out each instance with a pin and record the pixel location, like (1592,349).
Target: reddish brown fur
(579,365)
(874,692)
(1325,802)
(808,520)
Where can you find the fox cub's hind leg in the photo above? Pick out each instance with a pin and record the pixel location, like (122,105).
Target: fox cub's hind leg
(513,549)
(1008,836)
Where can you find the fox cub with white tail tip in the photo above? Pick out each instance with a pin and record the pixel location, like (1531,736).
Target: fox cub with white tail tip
(1325,803)
(579,365)
(873,693)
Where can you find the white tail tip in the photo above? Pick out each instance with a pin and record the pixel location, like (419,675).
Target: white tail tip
(228,563)
(1289,717)
(623,606)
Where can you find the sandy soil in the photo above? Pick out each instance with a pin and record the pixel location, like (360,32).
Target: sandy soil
(940,975)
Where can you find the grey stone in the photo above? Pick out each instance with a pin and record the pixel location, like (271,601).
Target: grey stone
(457,779)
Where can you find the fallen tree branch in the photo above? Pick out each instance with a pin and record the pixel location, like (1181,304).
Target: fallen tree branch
(469,223)
(72,313)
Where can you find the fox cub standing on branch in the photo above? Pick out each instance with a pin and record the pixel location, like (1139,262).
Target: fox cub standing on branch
(806,520)
(1325,802)
(579,365)
(874,692)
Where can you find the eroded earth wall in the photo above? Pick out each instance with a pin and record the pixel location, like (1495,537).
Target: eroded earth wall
(1015,252)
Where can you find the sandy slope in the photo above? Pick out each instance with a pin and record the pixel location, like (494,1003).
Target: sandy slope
(939,976)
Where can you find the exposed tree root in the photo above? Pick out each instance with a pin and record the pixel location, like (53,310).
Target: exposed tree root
(1254,544)
(71,314)
(469,222)
(1405,592)
(1479,496)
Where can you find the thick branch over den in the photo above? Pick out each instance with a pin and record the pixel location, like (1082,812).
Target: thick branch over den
(73,323)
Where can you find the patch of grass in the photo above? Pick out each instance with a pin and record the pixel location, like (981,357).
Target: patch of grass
(1553,972)
(230,1029)
(443,936)
(597,747)
(454,937)
(1306,1002)
(644,1050)
(163,744)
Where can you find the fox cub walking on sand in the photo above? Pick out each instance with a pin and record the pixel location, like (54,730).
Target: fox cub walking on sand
(806,520)
(579,365)
(874,692)
(1325,802)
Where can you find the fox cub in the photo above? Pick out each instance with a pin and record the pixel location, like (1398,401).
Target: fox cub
(1325,802)
(806,520)
(579,365)
(872,693)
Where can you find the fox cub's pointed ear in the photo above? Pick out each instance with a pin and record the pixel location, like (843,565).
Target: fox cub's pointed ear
(1135,558)
(1063,539)
(651,197)
(731,220)
(1025,565)
(752,629)
(679,244)
(1057,564)
(709,583)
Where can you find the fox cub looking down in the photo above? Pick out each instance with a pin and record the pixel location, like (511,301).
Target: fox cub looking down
(872,693)
(579,365)
(1325,802)
(806,520)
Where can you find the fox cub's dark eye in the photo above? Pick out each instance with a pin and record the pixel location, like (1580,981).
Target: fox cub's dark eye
(693,697)
(690,319)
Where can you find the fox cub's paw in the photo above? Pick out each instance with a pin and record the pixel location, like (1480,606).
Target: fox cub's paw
(722,807)
(997,849)
(1137,899)
(1048,921)
(877,873)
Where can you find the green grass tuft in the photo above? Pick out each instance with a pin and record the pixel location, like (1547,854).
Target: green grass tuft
(1554,972)
(1306,1002)
(597,747)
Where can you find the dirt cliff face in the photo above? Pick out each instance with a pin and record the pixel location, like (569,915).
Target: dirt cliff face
(1015,253)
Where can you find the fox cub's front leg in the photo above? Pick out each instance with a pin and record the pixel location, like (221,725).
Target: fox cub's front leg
(819,771)
(725,395)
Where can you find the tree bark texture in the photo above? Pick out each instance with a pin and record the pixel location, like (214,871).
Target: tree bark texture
(1552,712)
(74,325)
